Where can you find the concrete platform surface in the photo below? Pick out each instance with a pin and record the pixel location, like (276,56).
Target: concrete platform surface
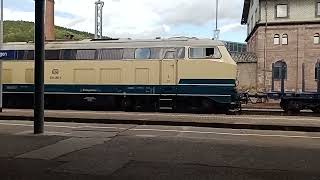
(72,151)
(290,123)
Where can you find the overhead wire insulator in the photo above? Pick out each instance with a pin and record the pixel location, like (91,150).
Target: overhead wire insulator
(98,19)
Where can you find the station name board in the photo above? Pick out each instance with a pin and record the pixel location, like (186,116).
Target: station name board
(7,54)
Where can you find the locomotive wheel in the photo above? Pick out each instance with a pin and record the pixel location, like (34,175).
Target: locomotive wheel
(284,106)
(293,107)
(316,109)
(127,104)
(206,106)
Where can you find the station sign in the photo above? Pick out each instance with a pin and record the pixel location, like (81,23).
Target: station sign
(7,55)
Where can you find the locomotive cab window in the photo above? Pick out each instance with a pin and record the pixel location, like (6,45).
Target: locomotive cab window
(205,53)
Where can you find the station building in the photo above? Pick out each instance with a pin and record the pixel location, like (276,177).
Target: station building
(247,64)
(284,31)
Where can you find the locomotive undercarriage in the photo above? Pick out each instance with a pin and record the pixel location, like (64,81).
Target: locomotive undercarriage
(133,103)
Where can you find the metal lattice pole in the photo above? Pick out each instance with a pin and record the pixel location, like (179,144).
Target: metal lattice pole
(216,32)
(98,19)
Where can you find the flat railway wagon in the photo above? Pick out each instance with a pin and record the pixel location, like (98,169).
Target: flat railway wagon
(300,101)
(179,74)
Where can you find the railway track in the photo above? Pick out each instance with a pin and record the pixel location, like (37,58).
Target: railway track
(276,112)
(243,112)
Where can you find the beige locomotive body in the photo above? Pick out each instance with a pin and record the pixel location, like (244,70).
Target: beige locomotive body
(174,67)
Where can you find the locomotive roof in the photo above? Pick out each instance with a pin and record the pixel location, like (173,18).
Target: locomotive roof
(121,43)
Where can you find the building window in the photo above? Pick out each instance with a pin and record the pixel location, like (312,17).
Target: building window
(318,9)
(316,38)
(285,39)
(276,39)
(252,23)
(257,16)
(317,68)
(282,10)
(278,71)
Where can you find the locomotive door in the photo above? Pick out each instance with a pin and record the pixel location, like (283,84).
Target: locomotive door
(169,69)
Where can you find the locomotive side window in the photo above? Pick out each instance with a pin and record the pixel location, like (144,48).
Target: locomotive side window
(143,53)
(178,53)
(20,55)
(128,53)
(110,54)
(101,54)
(181,53)
(204,53)
(28,55)
(170,55)
(52,54)
(68,54)
(156,53)
(86,54)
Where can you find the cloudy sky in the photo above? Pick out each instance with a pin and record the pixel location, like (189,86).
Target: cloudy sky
(142,18)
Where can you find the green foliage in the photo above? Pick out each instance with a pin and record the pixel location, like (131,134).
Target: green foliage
(22,31)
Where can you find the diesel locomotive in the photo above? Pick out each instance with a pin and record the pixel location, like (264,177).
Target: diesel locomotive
(177,74)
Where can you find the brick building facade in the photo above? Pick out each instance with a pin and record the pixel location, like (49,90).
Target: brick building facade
(246,65)
(284,31)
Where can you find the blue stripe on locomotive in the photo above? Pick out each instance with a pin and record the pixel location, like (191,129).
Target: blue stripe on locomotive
(222,91)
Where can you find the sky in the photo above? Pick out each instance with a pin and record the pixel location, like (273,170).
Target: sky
(143,18)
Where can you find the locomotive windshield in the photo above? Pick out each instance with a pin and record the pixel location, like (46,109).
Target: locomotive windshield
(205,53)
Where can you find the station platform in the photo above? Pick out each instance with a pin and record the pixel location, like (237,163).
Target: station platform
(69,151)
(260,122)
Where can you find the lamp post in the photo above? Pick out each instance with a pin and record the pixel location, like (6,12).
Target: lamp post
(39,39)
(1,45)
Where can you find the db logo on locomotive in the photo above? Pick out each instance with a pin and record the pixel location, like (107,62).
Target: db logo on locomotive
(55,71)
(55,74)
